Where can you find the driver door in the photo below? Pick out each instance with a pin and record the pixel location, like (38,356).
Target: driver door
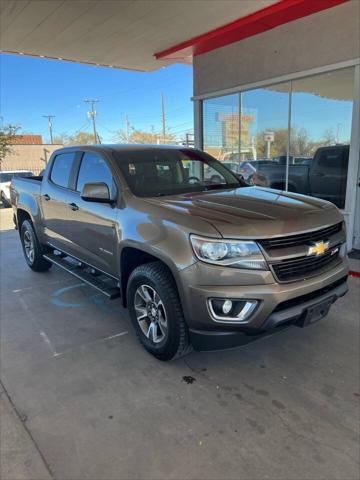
(93,226)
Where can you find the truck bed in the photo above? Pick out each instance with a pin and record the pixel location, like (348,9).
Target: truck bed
(25,191)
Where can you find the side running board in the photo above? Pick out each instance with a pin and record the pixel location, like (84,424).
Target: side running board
(102,283)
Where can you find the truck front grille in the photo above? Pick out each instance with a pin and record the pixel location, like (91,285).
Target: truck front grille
(304,267)
(301,239)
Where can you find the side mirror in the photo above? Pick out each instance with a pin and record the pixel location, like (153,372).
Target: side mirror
(96,192)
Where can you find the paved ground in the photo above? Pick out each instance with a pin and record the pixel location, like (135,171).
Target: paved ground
(84,401)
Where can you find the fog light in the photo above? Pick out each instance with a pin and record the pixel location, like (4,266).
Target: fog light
(227,306)
(226,310)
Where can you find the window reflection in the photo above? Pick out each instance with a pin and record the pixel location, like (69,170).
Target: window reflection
(264,129)
(249,132)
(221,127)
(321,130)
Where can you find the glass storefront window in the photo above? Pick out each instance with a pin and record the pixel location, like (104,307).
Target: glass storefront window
(264,129)
(249,131)
(320,131)
(221,127)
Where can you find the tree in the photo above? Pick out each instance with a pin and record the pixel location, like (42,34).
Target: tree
(7,134)
(79,138)
(135,135)
(60,139)
(300,143)
(278,146)
(329,138)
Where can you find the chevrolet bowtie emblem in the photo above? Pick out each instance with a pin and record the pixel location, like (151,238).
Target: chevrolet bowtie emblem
(318,248)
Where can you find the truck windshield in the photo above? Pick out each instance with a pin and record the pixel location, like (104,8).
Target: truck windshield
(157,172)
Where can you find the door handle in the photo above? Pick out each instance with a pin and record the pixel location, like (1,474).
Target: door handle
(73,206)
(46,197)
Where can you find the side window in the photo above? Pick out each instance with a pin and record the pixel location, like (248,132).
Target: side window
(61,169)
(93,169)
(332,159)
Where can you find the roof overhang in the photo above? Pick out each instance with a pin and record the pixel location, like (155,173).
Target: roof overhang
(136,34)
(284,11)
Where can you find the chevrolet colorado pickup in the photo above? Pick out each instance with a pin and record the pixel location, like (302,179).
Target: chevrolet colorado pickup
(200,258)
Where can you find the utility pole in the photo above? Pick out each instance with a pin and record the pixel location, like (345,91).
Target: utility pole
(92,114)
(163,117)
(50,117)
(127,127)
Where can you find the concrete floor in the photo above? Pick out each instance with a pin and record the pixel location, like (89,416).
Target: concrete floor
(82,400)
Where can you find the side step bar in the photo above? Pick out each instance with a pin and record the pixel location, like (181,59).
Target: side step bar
(102,285)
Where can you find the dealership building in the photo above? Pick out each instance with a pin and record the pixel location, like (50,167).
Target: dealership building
(273,80)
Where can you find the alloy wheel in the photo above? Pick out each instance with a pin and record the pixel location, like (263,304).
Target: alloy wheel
(29,246)
(151,313)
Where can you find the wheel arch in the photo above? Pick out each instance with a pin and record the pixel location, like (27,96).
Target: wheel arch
(131,257)
(21,216)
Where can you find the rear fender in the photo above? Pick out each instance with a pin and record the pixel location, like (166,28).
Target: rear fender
(28,203)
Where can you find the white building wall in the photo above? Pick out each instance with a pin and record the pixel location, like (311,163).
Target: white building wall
(324,38)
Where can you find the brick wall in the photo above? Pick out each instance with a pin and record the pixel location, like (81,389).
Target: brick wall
(27,140)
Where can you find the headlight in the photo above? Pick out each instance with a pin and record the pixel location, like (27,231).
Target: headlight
(229,253)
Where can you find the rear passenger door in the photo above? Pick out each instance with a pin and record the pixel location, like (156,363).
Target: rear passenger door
(55,199)
(93,226)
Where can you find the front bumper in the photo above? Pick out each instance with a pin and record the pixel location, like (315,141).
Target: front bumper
(279,319)
(279,304)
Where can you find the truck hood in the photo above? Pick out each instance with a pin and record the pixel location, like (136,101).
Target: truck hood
(254,212)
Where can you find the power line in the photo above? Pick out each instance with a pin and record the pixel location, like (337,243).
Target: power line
(189,122)
(92,114)
(84,126)
(50,125)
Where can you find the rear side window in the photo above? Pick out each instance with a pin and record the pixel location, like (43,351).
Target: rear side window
(93,169)
(61,169)
(330,159)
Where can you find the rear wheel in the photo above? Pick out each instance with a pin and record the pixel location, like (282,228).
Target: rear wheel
(32,249)
(156,312)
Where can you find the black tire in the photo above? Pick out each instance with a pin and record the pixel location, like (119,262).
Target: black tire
(175,343)
(36,261)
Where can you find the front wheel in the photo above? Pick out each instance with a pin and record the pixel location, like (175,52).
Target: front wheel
(32,248)
(156,312)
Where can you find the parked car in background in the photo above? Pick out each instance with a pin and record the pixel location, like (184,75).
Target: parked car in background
(233,166)
(198,256)
(248,170)
(5,181)
(324,176)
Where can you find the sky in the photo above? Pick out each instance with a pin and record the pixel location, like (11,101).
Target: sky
(32,87)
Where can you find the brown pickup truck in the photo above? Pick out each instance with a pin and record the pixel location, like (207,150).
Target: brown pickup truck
(200,258)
